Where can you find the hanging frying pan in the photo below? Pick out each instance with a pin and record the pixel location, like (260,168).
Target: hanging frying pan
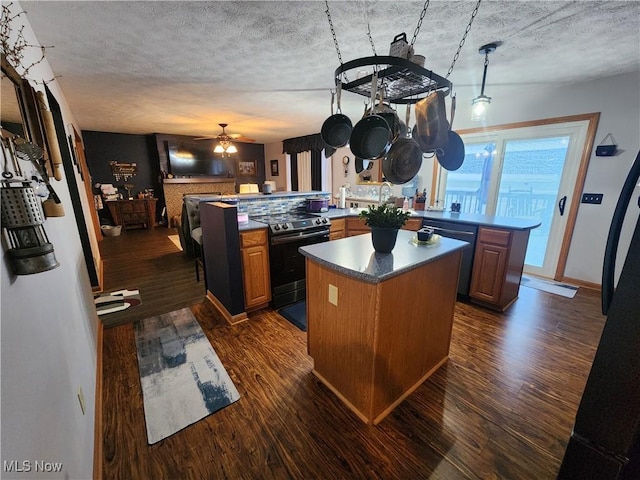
(404,158)
(451,156)
(371,137)
(430,131)
(336,129)
(359,165)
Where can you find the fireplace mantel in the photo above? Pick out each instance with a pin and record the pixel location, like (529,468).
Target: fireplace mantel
(200,180)
(175,188)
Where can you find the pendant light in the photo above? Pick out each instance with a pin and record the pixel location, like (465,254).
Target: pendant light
(481,103)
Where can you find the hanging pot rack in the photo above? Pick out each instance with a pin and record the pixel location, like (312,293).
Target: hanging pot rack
(404,81)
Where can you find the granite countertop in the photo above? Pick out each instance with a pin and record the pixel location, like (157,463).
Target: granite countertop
(254,196)
(251,225)
(464,218)
(355,257)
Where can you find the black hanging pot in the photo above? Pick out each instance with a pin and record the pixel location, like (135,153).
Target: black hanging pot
(359,165)
(404,159)
(336,129)
(451,156)
(389,114)
(371,137)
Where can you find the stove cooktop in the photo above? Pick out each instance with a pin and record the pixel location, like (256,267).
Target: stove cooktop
(281,223)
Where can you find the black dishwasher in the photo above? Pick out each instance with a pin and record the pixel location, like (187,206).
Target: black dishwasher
(466,233)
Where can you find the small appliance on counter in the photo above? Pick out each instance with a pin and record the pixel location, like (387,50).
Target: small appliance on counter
(269,187)
(317,204)
(248,188)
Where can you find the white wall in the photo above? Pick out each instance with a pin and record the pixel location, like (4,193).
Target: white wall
(273,151)
(48,342)
(617,99)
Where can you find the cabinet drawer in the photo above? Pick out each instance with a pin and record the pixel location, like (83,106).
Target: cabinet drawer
(413,224)
(337,225)
(253,238)
(494,237)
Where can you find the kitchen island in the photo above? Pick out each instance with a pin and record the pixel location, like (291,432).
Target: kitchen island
(379,324)
(491,269)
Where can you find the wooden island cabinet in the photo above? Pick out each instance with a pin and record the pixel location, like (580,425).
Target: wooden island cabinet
(378,325)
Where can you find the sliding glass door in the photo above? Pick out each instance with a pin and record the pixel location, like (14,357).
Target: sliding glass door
(527,172)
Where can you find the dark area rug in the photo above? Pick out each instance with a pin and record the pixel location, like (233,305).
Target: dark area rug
(296,314)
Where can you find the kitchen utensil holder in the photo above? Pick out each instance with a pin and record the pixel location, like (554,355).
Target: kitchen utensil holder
(607,148)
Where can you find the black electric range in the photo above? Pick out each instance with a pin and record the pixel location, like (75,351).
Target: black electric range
(287,233)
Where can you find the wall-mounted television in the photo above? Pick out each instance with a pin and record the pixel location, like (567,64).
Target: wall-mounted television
(196,159)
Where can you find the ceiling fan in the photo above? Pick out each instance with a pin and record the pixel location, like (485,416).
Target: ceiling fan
(225,138)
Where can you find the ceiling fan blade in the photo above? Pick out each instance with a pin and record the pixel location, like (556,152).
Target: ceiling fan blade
(241,138)
(209,137)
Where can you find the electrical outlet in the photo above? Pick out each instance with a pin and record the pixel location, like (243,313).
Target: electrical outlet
(595,198)
(83,406)
(333,295)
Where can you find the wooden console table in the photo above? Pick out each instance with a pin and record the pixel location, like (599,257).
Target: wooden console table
(137,212)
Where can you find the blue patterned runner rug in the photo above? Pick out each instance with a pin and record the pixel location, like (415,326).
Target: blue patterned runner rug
(181,375)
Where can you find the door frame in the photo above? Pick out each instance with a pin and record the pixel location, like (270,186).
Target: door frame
(572,214)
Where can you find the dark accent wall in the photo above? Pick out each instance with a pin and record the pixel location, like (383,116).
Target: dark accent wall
(150,153)
(104,147)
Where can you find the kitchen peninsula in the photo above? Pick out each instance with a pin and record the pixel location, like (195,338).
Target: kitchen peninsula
(379,324)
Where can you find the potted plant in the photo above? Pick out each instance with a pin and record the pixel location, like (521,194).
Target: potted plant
(384,220)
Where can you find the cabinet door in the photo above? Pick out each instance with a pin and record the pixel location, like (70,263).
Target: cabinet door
(255,267)
(255,270)
(488,272)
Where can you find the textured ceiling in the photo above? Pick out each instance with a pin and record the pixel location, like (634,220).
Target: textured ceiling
(266,68)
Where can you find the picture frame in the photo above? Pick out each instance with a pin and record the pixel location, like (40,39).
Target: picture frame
(247,168)
(274,168)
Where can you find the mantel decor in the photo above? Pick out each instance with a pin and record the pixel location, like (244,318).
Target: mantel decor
(123,171)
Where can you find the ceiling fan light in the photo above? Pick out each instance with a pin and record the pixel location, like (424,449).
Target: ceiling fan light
(232,149)
(479,108)
(218,149)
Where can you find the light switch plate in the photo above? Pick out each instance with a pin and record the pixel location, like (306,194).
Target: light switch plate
(333,295)
(595,198)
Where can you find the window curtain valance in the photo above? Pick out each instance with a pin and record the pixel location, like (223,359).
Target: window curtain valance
(308,142)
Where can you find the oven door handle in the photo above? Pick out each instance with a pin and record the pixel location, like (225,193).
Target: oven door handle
(459,232)
(299,236)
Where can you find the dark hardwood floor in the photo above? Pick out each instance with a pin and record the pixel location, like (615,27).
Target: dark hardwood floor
(502,407)
(148,261)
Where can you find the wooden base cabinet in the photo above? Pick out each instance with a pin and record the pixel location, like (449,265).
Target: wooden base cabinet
(254,251)
(413,224)
(497,268)
(138,212)
(356,226)
(337,229)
